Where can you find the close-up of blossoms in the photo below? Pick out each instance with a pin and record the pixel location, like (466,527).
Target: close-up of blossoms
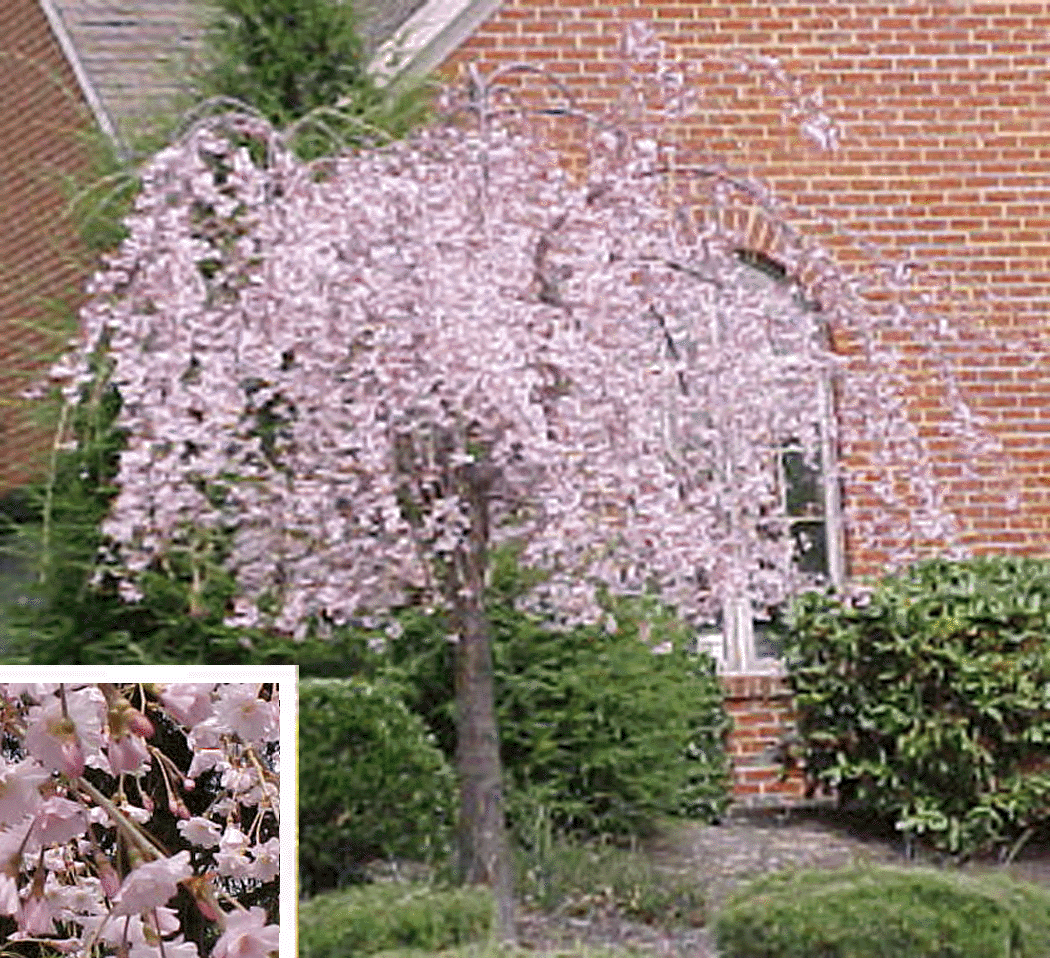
(118,838)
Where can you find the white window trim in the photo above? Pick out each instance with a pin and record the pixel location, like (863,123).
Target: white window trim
(733,646)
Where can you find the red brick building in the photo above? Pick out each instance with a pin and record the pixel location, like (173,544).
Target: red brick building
(942,163)
(40,113)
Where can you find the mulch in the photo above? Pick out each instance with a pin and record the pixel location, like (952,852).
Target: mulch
(721,857)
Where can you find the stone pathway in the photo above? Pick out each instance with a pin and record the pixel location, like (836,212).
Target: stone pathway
(721,857)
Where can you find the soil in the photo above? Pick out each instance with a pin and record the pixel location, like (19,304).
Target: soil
(722,856)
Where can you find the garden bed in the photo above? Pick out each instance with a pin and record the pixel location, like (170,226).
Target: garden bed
(721,857)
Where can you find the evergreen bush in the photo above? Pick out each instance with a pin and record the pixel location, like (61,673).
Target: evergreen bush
(366,920)
(884,913)
(371,783)
(927,702)
(599,734)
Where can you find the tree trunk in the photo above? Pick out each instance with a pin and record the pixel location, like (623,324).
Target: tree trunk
(484,849)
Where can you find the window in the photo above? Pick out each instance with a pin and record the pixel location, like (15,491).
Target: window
(742,640)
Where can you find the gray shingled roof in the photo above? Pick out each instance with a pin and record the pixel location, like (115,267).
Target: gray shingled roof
(133,52)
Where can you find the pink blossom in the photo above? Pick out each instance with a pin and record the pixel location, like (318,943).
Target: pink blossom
(14,845)
(10,903)
(83,897)
(63,742)
(240,710)
(178,948)
(190,704)
(232,859)
(38,913)
(247,936)
(37,691)
(128,755)
(159,922)
(59,820)
(206,758)
(20,789)
(152,884)
(267,860)
(109,880)
(200,831)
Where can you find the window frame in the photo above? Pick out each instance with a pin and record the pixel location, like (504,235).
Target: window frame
(733,642)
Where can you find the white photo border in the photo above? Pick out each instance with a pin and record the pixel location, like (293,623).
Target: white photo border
(286,677)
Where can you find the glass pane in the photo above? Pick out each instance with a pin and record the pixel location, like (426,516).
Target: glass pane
(803,492)
(811,546)
(767,643)
(711,638)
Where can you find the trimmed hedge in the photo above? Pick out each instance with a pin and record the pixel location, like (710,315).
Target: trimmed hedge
(375,918)
(372,784)
(885,913)
(927,703)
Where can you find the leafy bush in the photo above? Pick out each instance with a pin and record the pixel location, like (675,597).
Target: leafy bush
(598,734)
(369,919)
(885,913)
(371,783)
(928,703)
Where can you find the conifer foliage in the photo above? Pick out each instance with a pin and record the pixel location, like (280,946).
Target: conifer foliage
(284,58)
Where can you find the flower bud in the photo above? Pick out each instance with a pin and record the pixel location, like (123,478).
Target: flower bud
(107,875)
(72,758)
(139,724)
(200,887)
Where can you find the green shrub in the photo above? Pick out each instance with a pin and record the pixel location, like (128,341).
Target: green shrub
(371,783)
(928,703)
(885,913)
(369,919)
(598,734)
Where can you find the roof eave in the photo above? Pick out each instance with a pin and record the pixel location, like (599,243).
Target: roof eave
(90,94)
(427,38)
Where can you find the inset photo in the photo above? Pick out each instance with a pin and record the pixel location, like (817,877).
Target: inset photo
(141,811)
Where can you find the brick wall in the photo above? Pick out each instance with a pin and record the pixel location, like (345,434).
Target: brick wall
(40,111)
(762,714)
(944,162)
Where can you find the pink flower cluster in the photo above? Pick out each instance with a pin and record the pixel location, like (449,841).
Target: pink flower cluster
(79,869)
(461,340)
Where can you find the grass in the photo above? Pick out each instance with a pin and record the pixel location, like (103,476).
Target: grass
(578,878)
(424,919)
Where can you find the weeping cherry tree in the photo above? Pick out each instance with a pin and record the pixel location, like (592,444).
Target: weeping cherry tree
(362,375)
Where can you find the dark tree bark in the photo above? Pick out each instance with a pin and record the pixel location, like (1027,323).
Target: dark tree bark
(484,850)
